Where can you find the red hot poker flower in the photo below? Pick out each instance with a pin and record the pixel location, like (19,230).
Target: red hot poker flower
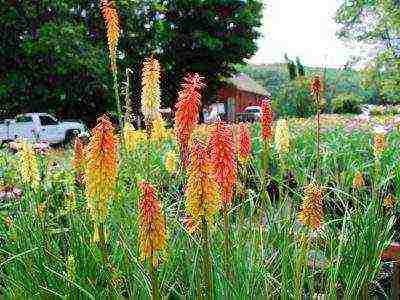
(187,113)
(223,160)
(266,120)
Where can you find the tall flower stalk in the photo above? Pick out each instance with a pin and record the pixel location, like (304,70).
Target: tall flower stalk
(316,91)
(128,102)
(266,136)
(152,232)
(187,112)
(150,90)
(101,172)
(111,20)
(282,144)
(202,203)
(224,165)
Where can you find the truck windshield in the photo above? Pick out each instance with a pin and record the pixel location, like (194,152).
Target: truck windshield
(46,120)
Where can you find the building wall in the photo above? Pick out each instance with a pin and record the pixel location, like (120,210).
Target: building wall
(243,99)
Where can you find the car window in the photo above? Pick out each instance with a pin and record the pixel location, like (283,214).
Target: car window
(23,119)
(253,110)
(46,120)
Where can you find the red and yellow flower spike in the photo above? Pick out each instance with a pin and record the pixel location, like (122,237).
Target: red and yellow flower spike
(223,160)
(150,89)
(316,86)
(244,143)
(111,19)
(187,111)
(266,120)
(311,213)
(101,168)
(152,232)
(202,199)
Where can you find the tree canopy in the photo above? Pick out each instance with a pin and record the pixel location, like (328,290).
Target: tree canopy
(376,22)
(54,56)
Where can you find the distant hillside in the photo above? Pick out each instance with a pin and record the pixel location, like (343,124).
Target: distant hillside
(274,76)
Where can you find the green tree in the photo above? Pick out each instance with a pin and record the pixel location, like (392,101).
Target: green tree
(376,22)
(291,67)
(54,56)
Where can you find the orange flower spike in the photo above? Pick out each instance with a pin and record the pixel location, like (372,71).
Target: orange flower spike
(223,160)
(152,232)
(101,167)
(77,162)
(244,143)
(316,85)
(201,192)
(266,120)
(187,111)
(111,19)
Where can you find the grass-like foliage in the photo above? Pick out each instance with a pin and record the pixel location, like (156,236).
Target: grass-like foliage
(48,235)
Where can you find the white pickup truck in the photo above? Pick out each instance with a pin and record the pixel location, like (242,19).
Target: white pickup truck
(39,127)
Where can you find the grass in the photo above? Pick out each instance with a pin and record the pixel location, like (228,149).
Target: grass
(271,253)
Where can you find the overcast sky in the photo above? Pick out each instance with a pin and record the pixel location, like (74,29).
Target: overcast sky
(303,28)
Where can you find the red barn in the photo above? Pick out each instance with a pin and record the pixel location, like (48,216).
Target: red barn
(240,92)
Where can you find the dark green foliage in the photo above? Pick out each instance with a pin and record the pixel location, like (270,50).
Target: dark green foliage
(291,67)
(300,67)
(54,55)
(346,103)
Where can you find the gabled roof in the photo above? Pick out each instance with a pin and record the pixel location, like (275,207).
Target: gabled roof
(243,82)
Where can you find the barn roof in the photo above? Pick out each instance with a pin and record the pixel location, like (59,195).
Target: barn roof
(244,83)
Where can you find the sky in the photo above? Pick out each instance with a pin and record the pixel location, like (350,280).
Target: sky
(303,28)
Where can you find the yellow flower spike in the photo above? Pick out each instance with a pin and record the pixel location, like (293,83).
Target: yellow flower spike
(150,89)
(8,222)
(311,213)
(133,138)
(379,143)
(40,208)
(158,130)
(28,165)
(389,201)
(282,141)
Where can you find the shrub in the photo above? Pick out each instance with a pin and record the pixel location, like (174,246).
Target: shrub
(381,110)
(295,99)
(346,103)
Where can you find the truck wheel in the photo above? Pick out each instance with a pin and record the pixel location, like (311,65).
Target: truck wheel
(70,138)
